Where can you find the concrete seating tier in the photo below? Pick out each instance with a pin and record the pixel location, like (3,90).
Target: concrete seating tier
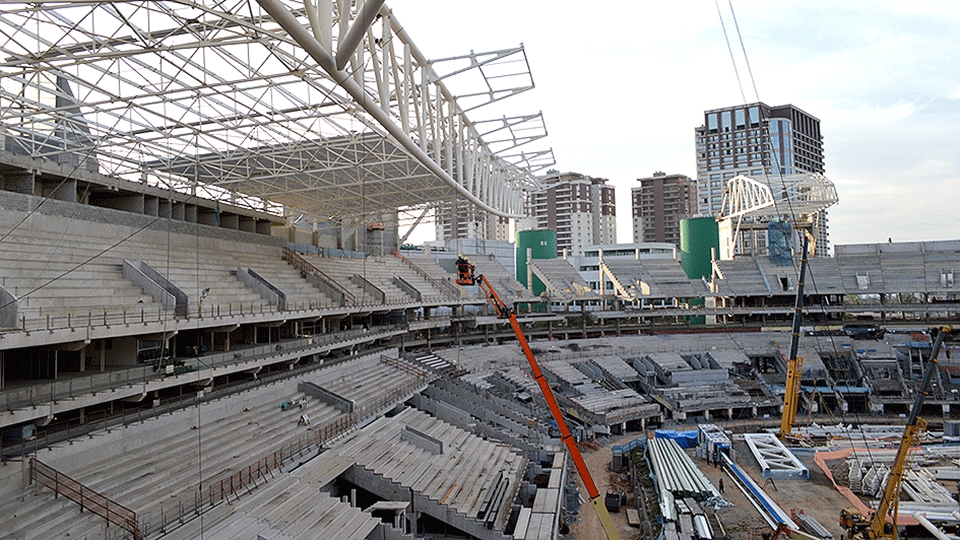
(51,277)
(823,277)
(226,445)
(502,279)
(162,457)
(861,273)
(285,507)
(457,479)
(366,380)
(741,277)
(430,293)
(560,277)
(39,516)
(215,272)
(661,278)
(343,270)
(299,292)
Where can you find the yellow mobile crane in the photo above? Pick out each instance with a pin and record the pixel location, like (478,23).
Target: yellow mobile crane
(876,527)
(466,276)
(791,396)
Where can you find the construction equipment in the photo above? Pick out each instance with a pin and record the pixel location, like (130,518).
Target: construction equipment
(466,272)
(791,396)
(467,275)
(876,527)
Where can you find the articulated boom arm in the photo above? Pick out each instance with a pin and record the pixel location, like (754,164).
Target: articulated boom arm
(565,436)
(890,502)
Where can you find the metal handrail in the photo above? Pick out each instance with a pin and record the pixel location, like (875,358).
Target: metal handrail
(305,266)
(422,273)
(87,498)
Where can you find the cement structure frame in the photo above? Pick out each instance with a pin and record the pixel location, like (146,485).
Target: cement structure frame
(313,110)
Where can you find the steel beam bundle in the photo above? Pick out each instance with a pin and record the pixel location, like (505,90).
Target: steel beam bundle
(768,509)
(676,475)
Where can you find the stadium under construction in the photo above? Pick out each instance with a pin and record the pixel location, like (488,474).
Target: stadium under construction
(208,328)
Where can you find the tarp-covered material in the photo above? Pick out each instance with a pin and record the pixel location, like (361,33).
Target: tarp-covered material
(686,439)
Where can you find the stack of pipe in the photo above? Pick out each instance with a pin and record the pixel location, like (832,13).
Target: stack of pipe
(676,475)
(768,509)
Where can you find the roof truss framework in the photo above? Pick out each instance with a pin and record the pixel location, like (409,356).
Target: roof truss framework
(238,101)
(796,194)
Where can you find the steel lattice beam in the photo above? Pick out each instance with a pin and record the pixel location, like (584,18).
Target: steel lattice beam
(263,104)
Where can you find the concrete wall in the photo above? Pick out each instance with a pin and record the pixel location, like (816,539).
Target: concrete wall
(118,223)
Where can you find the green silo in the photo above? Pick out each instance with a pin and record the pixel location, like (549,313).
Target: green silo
(543,244)
(697,236)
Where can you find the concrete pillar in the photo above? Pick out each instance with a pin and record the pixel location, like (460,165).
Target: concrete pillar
(753,412)
(66,191)
(706,414)
(730,413)
(946,409)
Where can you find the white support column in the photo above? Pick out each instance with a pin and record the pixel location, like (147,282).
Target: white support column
(404,100)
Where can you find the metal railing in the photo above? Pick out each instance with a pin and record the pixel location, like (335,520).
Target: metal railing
(445,286)
(87,498)
(252,476)
(306,267)
(37,394)
(403,366)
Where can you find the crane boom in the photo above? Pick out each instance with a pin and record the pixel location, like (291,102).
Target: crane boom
(596,500)
(791,396)
(890,501)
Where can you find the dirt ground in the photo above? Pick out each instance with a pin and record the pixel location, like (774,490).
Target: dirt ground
(816,496)
(598,461)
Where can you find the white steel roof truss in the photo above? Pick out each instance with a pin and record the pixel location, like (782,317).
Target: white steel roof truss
(775,459)
(202,90)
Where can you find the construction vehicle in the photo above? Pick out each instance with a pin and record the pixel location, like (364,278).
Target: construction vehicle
(466,275)
(860,527)
(791,396)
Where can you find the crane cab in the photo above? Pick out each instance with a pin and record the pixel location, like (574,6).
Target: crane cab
(852,519)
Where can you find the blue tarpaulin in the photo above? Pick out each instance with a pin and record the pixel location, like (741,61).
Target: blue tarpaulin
(686,439)
(779,243)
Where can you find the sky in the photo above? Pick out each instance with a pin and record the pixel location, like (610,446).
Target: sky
(623,84)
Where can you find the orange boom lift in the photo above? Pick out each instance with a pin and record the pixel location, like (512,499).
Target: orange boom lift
(466,276)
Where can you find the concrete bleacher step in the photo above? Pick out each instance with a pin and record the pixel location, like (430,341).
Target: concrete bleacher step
(40,516)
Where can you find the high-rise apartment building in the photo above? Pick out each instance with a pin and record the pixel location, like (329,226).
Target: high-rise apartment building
(659,204)
(582,210)
(464,220)
(761,142)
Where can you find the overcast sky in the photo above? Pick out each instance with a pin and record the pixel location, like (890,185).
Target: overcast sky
(623,84)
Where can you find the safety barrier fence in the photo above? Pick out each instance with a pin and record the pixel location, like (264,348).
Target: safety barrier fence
(87,498)
(130,318)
